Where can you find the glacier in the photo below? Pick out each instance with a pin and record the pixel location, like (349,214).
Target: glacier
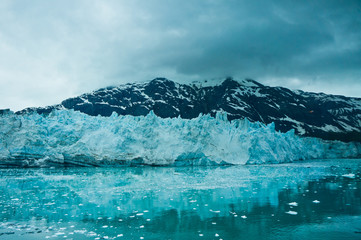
(71,138)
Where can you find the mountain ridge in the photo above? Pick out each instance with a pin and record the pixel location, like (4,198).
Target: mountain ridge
(330,117)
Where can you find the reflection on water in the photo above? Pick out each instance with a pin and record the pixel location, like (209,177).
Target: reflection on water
(314,200)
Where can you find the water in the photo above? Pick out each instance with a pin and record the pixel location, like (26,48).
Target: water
(305,200)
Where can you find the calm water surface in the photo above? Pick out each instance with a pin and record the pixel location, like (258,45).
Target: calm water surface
(305,200)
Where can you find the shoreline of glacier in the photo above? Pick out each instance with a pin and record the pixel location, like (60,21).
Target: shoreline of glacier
(70,138)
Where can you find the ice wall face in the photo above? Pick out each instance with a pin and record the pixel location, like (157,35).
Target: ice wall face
(66,137)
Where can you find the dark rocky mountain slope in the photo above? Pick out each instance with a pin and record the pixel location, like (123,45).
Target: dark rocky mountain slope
(309,114)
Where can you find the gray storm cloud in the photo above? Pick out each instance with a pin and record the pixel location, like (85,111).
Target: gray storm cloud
(51,50)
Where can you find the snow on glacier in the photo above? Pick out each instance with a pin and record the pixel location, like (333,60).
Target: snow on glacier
(73,138)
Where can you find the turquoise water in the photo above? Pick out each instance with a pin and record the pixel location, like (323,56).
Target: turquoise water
(304,200)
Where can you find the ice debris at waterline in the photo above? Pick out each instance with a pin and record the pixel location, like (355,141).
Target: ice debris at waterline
(67,137)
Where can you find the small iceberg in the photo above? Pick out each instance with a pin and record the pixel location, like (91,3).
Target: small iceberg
(292,212)
(350,175)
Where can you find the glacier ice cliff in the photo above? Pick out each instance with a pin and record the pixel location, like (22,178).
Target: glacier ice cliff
(67,137)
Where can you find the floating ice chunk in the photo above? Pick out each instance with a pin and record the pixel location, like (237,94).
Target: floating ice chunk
(350,175)
(292,212)
(217,211)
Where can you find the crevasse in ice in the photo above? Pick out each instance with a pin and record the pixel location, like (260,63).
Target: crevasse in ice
(67,137)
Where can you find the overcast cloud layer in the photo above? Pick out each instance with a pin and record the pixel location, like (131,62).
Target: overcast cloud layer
(52,50)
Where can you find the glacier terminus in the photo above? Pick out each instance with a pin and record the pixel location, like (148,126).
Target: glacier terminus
(71,138)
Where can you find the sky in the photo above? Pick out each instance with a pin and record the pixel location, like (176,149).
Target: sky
(52,50)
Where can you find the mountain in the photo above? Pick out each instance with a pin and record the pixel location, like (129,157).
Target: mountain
(320,115)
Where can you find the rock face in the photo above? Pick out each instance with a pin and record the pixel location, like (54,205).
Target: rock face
(309,114)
